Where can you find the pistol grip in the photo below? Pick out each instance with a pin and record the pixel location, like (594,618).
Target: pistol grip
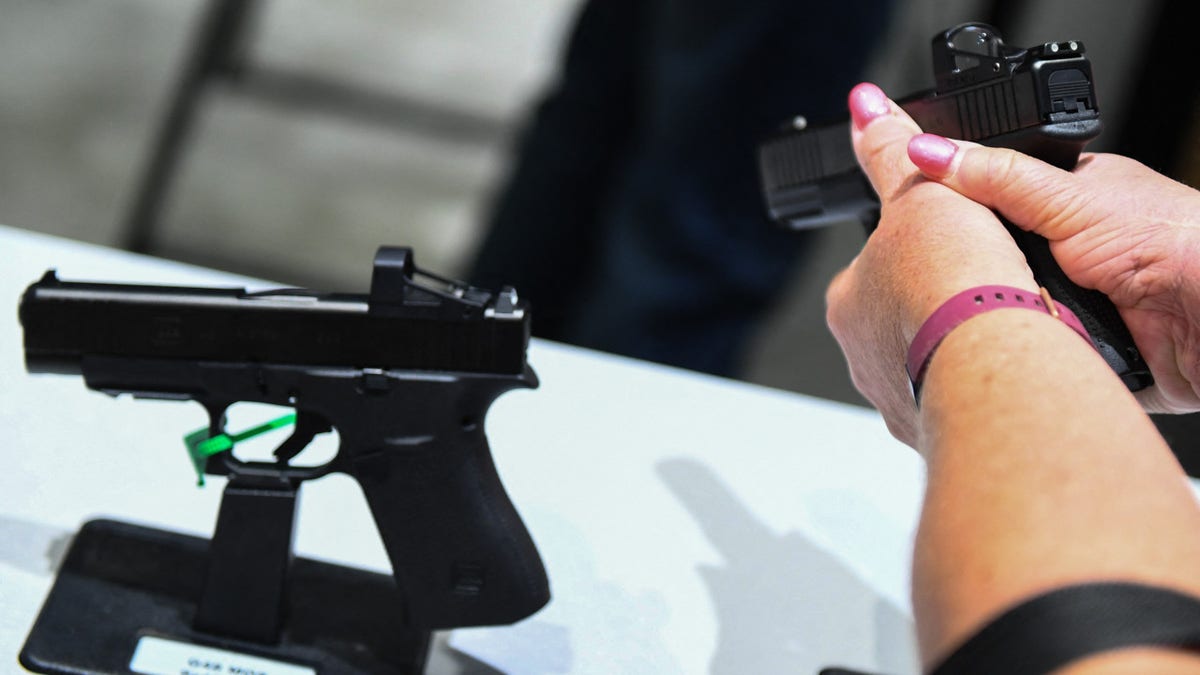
(459,551)
(1097,313)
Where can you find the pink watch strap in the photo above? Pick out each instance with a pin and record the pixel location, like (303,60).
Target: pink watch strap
(973,302)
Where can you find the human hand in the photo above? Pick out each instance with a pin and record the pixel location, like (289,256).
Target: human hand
(1113,225)
(931,243)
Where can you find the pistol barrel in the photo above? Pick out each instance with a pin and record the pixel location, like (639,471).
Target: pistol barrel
(67,321)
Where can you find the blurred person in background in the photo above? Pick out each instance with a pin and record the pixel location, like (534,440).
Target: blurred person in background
(632,219)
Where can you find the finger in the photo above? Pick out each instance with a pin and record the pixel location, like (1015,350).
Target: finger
(1034,195)
(880,134)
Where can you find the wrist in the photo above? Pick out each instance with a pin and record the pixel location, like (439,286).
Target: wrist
(965,306)
(932,299)
(1005,367)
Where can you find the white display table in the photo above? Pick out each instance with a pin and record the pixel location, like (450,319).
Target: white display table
(688,523)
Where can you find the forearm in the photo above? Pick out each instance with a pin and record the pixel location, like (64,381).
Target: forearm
(1043,471)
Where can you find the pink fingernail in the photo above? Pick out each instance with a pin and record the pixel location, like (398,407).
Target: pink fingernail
(866,103)
(932,154)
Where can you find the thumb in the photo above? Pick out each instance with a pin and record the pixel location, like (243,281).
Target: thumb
(1030,193)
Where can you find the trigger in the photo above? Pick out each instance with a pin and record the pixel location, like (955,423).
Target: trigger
(308,425)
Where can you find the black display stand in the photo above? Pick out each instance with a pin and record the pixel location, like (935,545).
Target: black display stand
(241,593)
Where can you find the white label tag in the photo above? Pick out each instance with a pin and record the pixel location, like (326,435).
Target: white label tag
(156,656)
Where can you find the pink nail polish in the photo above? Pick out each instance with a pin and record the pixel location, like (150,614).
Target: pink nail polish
(867,102)
(932,154)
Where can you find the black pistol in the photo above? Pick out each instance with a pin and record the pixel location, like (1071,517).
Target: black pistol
(405,375)
(1040,101)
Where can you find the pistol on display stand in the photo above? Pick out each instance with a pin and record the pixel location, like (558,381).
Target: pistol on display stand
(405,375)
(1040,101)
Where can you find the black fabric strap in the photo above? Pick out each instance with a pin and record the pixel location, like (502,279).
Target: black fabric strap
(1058,627)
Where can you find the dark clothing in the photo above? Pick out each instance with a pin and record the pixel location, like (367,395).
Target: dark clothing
(632,219)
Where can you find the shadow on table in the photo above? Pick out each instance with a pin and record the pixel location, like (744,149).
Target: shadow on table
(613,628)
(446,660)
(780,599)
(31,546)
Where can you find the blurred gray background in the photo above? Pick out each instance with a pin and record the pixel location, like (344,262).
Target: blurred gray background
(303,195)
